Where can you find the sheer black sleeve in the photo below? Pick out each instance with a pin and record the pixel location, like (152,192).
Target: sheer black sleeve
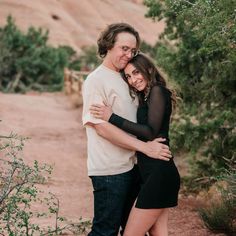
(156,109)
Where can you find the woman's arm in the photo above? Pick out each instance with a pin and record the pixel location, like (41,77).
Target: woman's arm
(156,109)
(154,149)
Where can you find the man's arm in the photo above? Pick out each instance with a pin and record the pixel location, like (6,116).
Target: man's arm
(118,137)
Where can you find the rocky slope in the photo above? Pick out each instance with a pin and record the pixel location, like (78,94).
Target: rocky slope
(78,23)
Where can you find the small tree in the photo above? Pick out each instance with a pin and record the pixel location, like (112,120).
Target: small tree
(89,58)
(220,216)
(28,63)
(19,192)
(198,52)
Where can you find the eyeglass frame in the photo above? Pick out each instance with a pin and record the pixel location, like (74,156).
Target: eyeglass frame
(126,50)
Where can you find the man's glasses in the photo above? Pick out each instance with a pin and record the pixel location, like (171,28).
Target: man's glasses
(126,50)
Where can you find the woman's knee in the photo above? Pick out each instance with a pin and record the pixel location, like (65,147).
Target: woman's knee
(160,228)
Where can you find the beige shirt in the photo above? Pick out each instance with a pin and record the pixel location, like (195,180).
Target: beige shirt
(105,158)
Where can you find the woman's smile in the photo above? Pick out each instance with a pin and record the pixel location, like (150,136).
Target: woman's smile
(135,78)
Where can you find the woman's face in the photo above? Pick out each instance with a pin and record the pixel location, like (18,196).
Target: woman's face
(135,78)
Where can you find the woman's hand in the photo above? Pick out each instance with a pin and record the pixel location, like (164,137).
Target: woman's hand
(103,112)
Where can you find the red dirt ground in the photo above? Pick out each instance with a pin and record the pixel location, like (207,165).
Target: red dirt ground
(58,138)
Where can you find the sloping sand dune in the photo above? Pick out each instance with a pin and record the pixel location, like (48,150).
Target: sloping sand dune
(78,23)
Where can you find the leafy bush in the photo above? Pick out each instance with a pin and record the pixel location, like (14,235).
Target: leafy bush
(89,58)
(197,51)
(28,63)
(19,192)
(221,216)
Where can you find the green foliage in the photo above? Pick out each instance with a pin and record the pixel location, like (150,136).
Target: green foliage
(147,48)
(74,62)
(18,189)
(221,216)
(28,63)
(89,58)
(19,192)
(198,51)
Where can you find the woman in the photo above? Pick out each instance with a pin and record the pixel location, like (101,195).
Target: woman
(160,179)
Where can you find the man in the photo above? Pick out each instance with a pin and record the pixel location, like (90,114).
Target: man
(110,150)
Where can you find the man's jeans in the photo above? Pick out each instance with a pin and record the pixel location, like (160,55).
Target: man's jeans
(110,196)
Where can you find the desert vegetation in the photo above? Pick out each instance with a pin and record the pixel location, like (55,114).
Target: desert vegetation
(197,52)
(20,191)
(28,62)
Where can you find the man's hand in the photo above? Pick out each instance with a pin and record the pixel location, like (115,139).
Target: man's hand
(118,137)
(103,112)
(157,150)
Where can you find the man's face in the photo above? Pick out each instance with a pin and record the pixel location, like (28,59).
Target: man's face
(124,49)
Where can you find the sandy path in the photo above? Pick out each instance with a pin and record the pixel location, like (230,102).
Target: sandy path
(58,138)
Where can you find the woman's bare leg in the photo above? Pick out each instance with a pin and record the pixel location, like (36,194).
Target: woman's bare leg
(141,220)
(160,228)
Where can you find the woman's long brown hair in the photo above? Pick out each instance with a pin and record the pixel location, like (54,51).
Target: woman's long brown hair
(149,71)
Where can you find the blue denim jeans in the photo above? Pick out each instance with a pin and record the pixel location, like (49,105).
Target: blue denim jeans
(110,198)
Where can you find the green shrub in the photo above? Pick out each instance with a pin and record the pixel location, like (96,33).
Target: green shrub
(28,63)
(198,52)
(19,192)
(221,216)
(18,188)
(89,58)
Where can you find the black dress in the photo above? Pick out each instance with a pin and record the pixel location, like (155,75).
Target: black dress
(160,179)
